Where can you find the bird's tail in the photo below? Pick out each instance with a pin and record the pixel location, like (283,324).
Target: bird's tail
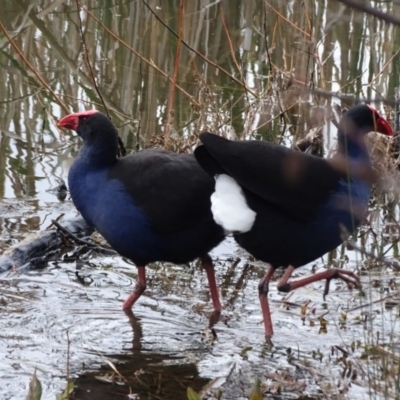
(229,206)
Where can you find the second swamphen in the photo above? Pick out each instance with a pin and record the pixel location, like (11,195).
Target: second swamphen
(150,206)
(288,208)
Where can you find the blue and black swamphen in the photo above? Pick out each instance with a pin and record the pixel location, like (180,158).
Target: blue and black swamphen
(150,206)
(288,208)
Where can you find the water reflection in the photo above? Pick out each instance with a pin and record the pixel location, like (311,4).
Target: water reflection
(142,374)
(269,47)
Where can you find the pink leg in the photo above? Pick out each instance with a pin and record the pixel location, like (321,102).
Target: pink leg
(209,267)
(263,289)
(139,288)
(349,277)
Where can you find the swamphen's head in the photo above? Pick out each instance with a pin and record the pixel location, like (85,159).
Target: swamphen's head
(97,132)
(362,119)
(353,129)
(90,125)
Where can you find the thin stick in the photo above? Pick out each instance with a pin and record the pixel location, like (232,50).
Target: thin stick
(121,146)
(349,97)
(38,88)
(394,265)
(397,115)
(81,241)
(390,296)
(176,68)
(68,361)
(266,46)
(233,51)
(86,52)
(389,62)
(230,41)
(285,19)
(207,60)
(30,66)
(139,127)
(364,6)
(137,54)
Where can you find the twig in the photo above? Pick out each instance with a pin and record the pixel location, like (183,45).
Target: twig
(30,66)
(391,264)
(274,118)
(139,127)
(335,118)
(350,97)
(233,52)
(364,6)
(176,68)
(397,114)
(384,352)
(334,122)
(119,113)
(137,54)
(79,240)
(285,19)
(70,234)
(266,44)
(230,41)
(344,352)
(389,62)
(68,361)
(86,51)
(121,146)
(207,60)
(373,302)
(313,53)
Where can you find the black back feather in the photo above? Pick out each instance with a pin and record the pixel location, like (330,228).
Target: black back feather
(172,189)
(294,182)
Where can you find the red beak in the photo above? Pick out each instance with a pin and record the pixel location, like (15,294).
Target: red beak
(71,121)
(384,127)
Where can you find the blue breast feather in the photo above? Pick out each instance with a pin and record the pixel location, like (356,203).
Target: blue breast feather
(345,208)
(106,205)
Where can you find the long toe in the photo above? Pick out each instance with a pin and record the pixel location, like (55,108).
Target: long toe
(351,279)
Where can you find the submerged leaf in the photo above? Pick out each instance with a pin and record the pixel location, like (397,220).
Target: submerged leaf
(243,353)
(192,395)
(256,393)
(35,388)
(67,391)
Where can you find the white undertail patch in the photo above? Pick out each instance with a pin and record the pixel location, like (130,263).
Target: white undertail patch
(229,206)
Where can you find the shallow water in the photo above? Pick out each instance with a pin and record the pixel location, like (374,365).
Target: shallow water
(165,339)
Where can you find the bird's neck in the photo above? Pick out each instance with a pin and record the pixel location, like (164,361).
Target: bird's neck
(98,156)
(353,147)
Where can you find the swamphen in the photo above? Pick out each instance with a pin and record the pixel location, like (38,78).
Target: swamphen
(288,208)
(150,206)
